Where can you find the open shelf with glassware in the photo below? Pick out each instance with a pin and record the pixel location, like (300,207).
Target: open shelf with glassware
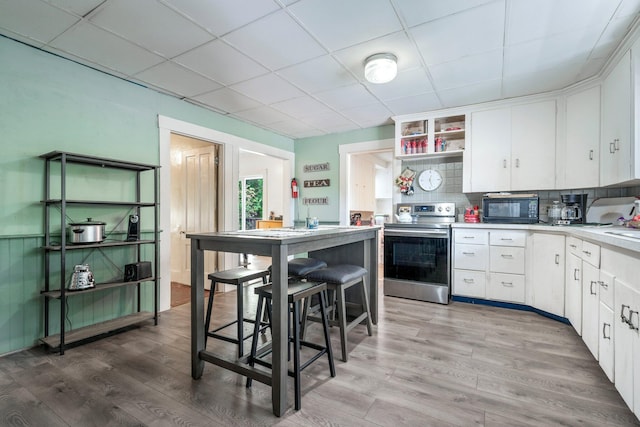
(419,136)
(113,299)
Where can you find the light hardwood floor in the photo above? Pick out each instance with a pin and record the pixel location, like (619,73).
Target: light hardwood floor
(425,365)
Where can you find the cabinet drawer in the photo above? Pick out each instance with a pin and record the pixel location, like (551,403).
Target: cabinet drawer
(469,283)
(574,246)
(471,257)
(606,288)
(478,237)
(508,238)
(506,259)
(506,287)
(591,253)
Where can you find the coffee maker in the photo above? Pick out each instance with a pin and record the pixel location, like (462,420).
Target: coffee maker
(575,207)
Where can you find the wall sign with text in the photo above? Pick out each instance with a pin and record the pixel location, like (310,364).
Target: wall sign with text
(317,183)
(320,167)
(315,200)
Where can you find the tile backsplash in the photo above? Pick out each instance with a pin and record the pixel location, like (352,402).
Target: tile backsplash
(451,188)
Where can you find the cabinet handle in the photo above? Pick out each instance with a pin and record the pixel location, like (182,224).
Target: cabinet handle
(573,246)
(590,154)
(468,280)
(593,282)
(575,274)
(624,318)
(587,253)
(603,285)
(507,284)
(558,259)
(630,322)
(517,163)
(612,147)
(508,239)
(604,333)
(507,256)
(468,253)
(504,163)
(468,237)
(616,144)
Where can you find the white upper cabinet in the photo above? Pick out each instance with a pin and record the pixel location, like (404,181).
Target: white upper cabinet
(580,165)
(616,148)
(513,148)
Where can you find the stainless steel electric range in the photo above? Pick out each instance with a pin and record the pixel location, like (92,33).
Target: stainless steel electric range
(417,252)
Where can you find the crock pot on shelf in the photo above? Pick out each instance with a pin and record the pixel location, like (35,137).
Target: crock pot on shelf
(86,232)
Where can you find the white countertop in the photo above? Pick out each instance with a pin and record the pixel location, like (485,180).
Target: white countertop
(600,235)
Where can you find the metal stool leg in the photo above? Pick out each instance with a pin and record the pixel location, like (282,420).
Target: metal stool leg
(240,317)
(254,342)
(325,327)
(342,319)
(296,354)
(207,321)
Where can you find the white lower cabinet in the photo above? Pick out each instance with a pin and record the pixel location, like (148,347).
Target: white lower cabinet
(590,307)
(627,344)
(606,341)
(547,272)
(489,264)
(573,291)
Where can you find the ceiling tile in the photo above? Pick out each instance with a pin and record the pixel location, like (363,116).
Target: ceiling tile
(414,103)
(262,115)
(318,74)
(301,107)
(548,53)
(347,97)
(338,23)
(472,94)
(449,38)
(294,128)
(467,70)
(227,100)
(416,12)
(101,47)
(219,61)
(397,44)
(174,78)
(528,20)
(540,81)
(329,120)
(407,83)
(221,16)
(78,7)
(369,115)
(34,19)
(268,88)
(275,41)
(152,25)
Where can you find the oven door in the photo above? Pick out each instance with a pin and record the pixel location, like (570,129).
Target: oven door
(417,264)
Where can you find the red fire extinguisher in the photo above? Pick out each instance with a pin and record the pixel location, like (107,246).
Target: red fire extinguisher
(294,188)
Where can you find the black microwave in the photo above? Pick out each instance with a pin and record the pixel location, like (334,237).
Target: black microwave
(511,209)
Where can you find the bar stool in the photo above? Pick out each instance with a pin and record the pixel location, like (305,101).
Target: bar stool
(300,267)
(339,278)
(297,291)
(238,277)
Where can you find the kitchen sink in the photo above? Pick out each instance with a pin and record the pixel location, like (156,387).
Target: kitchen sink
(633,234)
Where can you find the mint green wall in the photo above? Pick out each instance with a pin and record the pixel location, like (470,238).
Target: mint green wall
(48,103)
(323,149)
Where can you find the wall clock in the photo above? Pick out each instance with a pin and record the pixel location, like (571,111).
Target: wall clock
(429,179)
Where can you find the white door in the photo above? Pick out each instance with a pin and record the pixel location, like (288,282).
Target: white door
(590,307)
(491,150)
(615,148)
(573,292)
(533,146)
(624,364)
(581,167)
(198,193)
(548,273)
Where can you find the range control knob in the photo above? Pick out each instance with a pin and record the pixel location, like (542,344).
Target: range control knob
(448,208)
(439,208)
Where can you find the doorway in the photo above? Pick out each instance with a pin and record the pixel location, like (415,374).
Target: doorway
(194,201)
(251,202)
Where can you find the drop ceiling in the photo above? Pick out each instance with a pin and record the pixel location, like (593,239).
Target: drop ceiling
(296,67)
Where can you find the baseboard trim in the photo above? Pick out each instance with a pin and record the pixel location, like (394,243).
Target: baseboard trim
(510,305)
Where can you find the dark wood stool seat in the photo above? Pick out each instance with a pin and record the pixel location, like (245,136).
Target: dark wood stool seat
(238,277)
(296,292)
(300,267)
(339,278)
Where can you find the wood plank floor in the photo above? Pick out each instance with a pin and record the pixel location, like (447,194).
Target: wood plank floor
(425,365)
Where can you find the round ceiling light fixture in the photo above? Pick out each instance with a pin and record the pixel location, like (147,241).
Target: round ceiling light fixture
(381,68)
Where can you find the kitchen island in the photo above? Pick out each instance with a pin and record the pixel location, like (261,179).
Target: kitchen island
(335,245)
